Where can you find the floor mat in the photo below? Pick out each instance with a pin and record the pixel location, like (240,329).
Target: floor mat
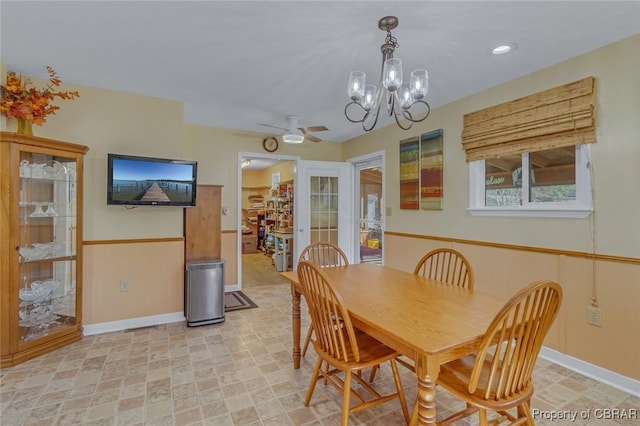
(236,300)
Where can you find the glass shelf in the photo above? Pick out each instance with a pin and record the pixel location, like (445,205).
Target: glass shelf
(47,256)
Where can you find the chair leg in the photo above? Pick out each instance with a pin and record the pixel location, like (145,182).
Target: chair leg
(307,340)
(346,397)
(372,375)
(414,414)
(314,379)
(403,400)
(524,410)
(483,417)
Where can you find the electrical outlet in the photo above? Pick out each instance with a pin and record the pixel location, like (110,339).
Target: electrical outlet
(594,316)
(124,286)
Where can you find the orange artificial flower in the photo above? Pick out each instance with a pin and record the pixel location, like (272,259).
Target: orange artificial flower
(16,100)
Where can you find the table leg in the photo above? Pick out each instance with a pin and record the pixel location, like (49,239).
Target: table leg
(295,325)
(427,370)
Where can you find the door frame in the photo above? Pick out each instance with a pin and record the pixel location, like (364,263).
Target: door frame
(305,170)
(355,162)
(242,155)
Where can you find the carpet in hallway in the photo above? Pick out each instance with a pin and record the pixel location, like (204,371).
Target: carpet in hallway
(257,270)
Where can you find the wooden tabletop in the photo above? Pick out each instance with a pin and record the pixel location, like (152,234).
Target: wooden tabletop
(427,320)
(412,313)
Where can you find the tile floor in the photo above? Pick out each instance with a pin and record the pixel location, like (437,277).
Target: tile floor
(235,373)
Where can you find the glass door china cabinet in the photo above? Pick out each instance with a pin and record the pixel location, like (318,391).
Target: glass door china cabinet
(41,245)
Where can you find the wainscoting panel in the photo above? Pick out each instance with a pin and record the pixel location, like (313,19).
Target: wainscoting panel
(127,279)
(503,269)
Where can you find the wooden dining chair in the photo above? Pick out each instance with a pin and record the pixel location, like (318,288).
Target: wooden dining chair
(343,348)
(323,254)
(445,265)
(497,377)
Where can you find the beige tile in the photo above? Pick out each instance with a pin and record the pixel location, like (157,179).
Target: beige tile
(234,373)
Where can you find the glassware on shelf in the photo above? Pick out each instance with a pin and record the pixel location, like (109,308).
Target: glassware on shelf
(48,172)
(37,294)
(37,170)
(25,169)
(31,253)
(50,210)
(39,251)
(37,211)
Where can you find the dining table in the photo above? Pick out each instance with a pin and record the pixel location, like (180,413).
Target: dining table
(426,320)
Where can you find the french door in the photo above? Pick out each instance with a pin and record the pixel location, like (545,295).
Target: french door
(324,203)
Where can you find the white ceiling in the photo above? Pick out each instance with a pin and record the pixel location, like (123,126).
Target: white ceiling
(236,64)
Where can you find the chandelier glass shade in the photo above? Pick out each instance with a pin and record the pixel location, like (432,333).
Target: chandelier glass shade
(404,100)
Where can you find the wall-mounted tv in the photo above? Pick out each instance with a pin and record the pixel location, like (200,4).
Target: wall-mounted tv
(148,181)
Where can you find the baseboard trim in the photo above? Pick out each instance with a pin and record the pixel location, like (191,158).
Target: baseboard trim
(611,378)
(108,327)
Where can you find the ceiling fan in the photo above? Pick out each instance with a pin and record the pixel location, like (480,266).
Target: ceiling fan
(296,134)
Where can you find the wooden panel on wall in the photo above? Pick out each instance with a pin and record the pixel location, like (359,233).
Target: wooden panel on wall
(502,270)
(202,224)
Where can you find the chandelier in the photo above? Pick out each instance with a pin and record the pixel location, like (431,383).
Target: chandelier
(404,100)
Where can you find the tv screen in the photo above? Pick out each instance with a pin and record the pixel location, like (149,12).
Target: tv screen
(148,181)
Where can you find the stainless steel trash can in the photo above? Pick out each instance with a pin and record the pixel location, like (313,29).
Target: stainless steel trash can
(204,292)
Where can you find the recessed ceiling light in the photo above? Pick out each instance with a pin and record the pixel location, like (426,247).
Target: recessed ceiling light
(505,48)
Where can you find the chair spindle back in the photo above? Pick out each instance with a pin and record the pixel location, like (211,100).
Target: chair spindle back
(514,338)
(447,265)
(324,254)
(330,320)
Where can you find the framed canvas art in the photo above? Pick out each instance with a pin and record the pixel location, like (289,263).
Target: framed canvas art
(431,167)
(409,173)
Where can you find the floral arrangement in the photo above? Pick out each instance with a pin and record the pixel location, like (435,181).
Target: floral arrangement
(19,101)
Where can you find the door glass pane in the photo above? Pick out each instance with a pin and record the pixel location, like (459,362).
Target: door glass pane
(324,209)
(371,214)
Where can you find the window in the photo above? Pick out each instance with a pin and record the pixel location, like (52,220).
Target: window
(275,180)
(548,183)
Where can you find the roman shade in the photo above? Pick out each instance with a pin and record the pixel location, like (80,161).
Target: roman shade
(558,117)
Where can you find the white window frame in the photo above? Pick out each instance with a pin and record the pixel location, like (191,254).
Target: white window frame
(579,208)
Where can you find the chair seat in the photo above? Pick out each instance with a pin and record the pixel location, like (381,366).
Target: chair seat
(454,377)
(372,352)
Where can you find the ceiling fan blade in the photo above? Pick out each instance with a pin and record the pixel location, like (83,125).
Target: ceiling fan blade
(271,125)
(314,129)
(311,137)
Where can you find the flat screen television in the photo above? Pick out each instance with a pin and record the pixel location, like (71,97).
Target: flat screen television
(149,181)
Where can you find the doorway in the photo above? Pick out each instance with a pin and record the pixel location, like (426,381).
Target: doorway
(326,194)
(259,178)
(369,209)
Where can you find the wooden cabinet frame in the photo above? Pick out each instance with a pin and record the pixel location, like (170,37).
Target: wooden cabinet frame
(17,230)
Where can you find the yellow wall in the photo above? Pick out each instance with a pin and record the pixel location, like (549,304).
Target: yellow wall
(217,150)
(613,232)
(616,156)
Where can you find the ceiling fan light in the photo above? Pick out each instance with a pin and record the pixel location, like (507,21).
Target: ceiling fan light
(291,137)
